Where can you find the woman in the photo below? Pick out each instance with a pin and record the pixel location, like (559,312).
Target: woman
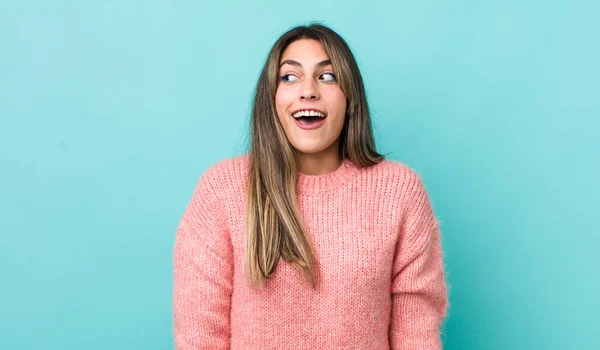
(362,262)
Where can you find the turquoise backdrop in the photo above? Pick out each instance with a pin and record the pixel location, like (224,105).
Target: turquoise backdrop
(111,110)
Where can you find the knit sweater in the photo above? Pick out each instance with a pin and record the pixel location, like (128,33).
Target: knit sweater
(377,243)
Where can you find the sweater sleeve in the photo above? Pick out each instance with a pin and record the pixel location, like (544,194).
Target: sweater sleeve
(203,270)
(419,292)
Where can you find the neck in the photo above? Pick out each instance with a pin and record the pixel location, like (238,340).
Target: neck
(319,163)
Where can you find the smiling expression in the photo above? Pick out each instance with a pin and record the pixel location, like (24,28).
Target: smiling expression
(307,82)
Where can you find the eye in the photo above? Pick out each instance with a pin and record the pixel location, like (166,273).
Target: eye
(332,76)
(285,77)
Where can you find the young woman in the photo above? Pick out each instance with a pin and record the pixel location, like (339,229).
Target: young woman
(312,240)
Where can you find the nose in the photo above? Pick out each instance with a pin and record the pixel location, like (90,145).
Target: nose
(309,90)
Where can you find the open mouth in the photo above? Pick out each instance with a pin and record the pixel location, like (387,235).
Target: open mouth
(309,118)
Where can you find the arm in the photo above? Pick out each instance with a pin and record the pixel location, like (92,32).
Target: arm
(202,271)
(419,292)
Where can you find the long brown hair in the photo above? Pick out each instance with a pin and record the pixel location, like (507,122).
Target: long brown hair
(274,226)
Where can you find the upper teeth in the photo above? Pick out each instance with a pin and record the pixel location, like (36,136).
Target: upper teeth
(308,114)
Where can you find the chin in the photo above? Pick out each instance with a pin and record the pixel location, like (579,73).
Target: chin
(308,149)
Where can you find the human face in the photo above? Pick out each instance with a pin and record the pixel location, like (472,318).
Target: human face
(307,81)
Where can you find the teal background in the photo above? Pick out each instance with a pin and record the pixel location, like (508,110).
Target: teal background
(111,110)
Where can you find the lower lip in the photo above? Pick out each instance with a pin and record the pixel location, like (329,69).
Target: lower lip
(309,126)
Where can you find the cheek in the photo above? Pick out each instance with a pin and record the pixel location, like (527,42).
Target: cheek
(279,104)
(277,99)
(337,101)
(282,98)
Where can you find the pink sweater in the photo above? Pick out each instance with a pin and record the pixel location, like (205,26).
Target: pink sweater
(377,242)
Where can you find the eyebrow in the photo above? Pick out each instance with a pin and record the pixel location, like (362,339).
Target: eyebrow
(297,64)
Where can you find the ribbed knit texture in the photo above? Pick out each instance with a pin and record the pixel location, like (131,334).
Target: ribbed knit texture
(377,243)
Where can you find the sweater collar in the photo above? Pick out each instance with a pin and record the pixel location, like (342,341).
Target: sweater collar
(310,184)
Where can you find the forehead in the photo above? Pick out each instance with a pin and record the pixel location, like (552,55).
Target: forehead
(305,51)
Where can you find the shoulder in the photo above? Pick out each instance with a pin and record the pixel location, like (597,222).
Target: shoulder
(394,171)
(227,168)
(226,174)
(398,180)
